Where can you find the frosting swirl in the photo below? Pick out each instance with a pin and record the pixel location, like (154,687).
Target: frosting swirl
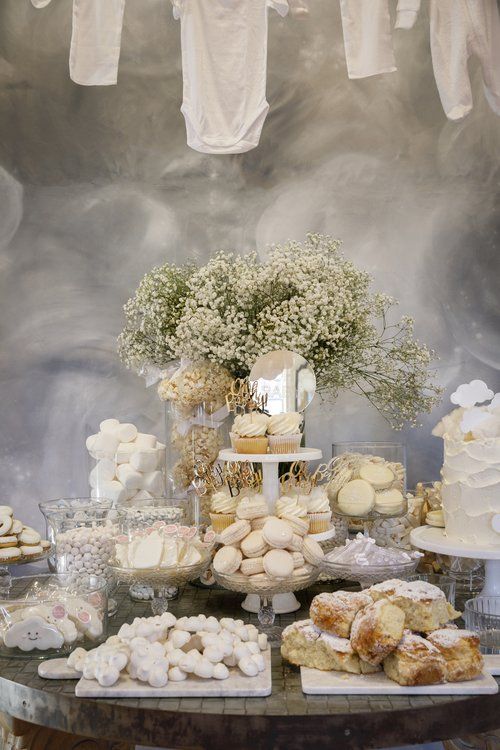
(223,503)
(291,506)
(250,425)
(318,501)
(285,424)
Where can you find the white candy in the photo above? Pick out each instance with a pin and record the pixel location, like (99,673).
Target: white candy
(105,445)
(253,647)
(241,652)
(248,666)
(176,675)
(179,638)
(262,641)
(211,625)
(153,483)
(109,425)
(158,677)
(258,659)
(124,452)
(129,477)
(188,662)
(143,440)
(106,675)
(243,633)
(175,656)
(144,460)
(77,658)
(231,660)
(114,491)
(126,432)
(89,443)
(214,654)
(204,668)
(103,471)
(119,660)
(221,672)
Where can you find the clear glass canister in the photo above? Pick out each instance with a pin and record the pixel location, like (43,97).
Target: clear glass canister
(49,615)
(124,463)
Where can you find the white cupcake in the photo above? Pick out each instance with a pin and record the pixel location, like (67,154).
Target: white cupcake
(284,432)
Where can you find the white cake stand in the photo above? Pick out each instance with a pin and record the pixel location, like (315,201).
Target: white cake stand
(282,603)
(433,539)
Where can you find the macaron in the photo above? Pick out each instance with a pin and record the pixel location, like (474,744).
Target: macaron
(227,560)
(379,475)
(254,544)
(312,551)
(356,498)
(299,526)
(277,533)
(278,563)
(235,532)
(252,566)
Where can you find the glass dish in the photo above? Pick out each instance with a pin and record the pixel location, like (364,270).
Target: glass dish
(70,506)
(392,452)
(266,589)
(367,575)
(49,615)
(482,616)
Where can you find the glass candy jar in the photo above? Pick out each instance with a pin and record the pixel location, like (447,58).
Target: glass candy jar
(49,615)
(124,463)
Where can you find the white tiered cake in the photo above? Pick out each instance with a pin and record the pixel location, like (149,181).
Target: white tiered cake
(471,469)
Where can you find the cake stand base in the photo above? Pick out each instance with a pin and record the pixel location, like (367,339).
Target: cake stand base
(283,604)
(433,539)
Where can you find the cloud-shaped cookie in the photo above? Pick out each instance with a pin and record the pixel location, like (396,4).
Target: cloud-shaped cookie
(33,633)
(470,394)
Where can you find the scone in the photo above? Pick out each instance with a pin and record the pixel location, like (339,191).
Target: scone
(377,630)
(306,646)
(424,605)
(335,612)
(460,649)
(415,661)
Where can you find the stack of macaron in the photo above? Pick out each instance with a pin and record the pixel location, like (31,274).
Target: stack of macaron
(18,541)
(263,547)
(260,433)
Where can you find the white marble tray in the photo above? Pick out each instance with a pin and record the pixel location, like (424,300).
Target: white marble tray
(236,686)
(316,682)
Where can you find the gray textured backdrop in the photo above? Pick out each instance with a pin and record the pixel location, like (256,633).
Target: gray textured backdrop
(97,185)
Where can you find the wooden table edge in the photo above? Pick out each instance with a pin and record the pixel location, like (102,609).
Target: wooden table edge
(101,719)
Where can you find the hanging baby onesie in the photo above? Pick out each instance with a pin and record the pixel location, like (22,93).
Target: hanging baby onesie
(366,26)
(459,30)
(95,41)
(224,64)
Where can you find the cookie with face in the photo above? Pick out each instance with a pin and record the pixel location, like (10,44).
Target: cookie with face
(33,633)
(55,614)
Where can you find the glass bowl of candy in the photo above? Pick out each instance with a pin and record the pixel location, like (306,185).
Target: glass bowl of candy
(67,507)
(47,616)
(159,555)
(362,560)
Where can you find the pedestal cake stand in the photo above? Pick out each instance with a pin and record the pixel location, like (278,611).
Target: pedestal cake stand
(282,603)
(433,539)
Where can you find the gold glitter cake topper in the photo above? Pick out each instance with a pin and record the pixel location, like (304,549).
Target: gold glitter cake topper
(297,477)
(236,474)
(243,397)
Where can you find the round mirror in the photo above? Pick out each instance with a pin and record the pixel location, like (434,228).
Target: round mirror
(286,378)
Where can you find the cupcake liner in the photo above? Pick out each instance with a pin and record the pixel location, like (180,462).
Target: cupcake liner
(221,521)
(251,444)
(233,437)
(319,522)
(284,443)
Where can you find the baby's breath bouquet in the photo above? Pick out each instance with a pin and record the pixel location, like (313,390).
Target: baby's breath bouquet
(308,298)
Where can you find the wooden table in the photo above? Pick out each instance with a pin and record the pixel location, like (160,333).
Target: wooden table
(287,719)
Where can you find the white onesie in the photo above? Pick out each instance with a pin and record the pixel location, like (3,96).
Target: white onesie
(460,29)
(95,41)
(224,65)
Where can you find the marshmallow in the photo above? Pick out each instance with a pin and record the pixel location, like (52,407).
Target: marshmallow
(103,471)
(176,675)
(126,432)
(109,425)
(114,491)
(131,479)
(105,445)
(143,440)
(144,460)
(124,452)
(153,483)
(89,443)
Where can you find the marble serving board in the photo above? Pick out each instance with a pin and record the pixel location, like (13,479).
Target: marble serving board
(57,669)
(492,663)
(237,685)
(317,682)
